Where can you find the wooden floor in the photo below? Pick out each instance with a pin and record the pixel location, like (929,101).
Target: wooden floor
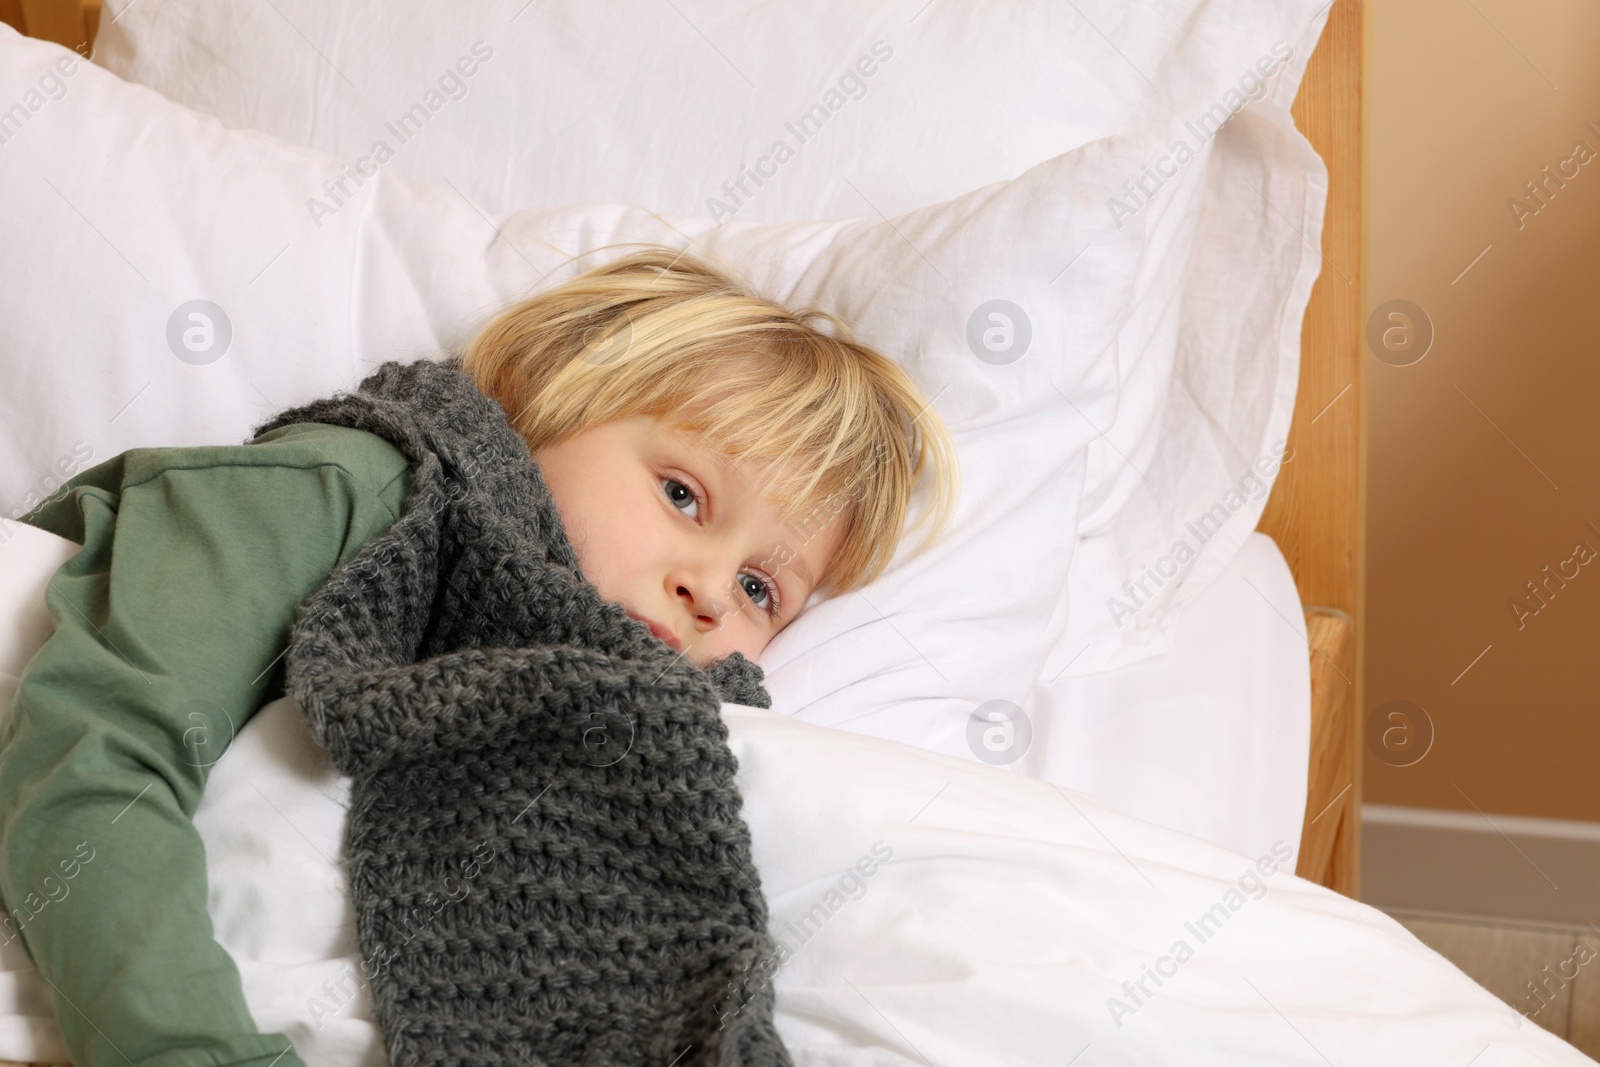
(1549,974)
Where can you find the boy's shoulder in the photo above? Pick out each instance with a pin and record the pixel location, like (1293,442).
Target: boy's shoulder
(368,459)
(376,472)
(364,455)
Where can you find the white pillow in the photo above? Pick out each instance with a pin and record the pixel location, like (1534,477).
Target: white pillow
(147,207)
(667,105)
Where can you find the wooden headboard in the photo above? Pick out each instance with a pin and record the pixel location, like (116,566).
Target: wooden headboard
(66,22)
(1316,512)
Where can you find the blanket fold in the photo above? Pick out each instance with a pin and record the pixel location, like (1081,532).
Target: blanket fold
(547,860)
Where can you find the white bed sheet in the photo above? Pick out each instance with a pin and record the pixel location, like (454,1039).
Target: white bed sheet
(1012,923)
(1213,737)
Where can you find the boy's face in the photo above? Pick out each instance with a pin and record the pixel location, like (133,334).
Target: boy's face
(666,526)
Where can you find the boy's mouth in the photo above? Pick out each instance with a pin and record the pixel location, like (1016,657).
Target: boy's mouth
(663,632)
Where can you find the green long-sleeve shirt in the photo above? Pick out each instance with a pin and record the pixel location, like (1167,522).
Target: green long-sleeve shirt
(170,625)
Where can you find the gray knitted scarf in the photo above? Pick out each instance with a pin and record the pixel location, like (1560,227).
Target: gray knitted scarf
(546,857)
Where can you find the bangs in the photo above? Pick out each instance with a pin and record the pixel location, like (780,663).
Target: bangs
(816,423)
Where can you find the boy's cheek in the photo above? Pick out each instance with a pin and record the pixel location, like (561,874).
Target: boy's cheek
(719,643)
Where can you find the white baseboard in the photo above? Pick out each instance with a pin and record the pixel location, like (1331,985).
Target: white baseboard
(1484,865)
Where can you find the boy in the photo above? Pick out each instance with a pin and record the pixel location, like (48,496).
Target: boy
(715,461)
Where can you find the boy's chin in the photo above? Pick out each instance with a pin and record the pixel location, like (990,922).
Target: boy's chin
(705,659)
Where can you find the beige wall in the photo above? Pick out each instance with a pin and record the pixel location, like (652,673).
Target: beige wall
(1470,99)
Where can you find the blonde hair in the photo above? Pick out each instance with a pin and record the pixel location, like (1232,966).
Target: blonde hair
(661,332)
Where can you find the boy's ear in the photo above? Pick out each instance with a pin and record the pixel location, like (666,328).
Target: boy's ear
(738,681)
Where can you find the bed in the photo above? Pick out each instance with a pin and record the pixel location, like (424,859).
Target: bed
(1290,592)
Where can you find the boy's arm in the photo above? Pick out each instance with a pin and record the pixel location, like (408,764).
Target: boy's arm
(169,624)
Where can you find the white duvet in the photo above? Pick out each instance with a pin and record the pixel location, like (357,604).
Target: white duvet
(936,911)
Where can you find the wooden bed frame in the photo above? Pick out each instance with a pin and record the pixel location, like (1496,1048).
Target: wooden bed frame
(1316,512)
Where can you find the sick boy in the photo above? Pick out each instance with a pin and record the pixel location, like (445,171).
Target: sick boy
(716,460)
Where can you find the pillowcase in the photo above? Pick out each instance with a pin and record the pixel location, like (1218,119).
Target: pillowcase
(1195,481)
(681,106)
(771,113)
(154,215)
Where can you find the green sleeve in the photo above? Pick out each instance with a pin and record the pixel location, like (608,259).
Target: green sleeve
(170,623)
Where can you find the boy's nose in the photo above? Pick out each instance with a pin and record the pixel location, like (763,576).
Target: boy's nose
(700,598)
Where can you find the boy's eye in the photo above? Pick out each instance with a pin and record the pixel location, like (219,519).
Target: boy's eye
(756,588)
(760,593)
(674,488)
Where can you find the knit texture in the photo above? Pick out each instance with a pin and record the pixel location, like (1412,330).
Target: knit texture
(546,856)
